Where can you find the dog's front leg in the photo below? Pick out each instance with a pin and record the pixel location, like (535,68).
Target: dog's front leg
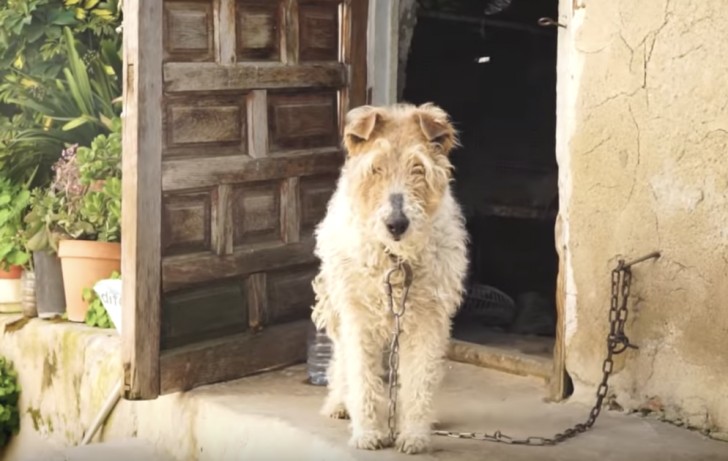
(422,348)
(335,404)
(365,388)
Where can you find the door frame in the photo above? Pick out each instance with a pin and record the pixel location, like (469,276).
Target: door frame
(141,260)
(142,141)
(383,62)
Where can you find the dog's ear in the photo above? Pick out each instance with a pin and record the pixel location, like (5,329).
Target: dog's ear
(437,128)
(360,123)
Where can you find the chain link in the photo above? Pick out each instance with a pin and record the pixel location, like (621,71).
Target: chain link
(617,343)
(397,311)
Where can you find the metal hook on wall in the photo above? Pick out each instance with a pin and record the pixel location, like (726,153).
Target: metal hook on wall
(548,22)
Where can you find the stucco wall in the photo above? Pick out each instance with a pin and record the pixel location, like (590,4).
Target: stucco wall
(643,151)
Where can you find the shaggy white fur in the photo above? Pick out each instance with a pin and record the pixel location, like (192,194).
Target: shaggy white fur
(402,151)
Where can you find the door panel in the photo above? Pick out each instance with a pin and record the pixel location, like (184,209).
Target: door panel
(254,93)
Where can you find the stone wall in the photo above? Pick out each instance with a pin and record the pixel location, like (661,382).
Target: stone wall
(643,154)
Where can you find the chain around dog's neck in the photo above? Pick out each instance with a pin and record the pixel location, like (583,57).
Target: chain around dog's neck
(394,258)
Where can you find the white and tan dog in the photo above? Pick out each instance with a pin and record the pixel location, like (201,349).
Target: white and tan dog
(393,199)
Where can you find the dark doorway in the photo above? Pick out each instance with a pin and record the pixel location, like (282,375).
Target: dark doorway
(493,68)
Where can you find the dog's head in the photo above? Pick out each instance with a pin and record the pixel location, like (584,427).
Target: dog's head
(398,168)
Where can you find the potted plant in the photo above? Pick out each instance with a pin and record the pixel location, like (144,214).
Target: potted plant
(14,200)
(41,237)
(89,179)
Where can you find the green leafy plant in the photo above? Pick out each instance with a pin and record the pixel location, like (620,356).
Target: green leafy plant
(31,31)
(89,180)
(41,231)
(96,316)
(9,395)
(14,200)
(59,112)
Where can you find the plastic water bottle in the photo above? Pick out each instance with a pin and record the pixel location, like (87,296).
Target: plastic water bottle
(320,350)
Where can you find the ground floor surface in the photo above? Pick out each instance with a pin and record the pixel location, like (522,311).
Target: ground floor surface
(274,416)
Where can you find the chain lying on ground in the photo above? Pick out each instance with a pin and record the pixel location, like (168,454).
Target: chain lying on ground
(617,342)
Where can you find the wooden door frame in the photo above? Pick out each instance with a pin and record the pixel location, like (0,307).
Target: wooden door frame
(142,177)
(383,62)
(141,198)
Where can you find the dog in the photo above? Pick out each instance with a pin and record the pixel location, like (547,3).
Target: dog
(392,201)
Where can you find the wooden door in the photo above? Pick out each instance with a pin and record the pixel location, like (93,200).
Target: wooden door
(247,98)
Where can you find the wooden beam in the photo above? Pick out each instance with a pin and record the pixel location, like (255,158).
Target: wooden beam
(191,173)
(187,270)
(558,387)
(142,198)
(257,300)
(222,220)
(225,31)
(290,39)
(500,358)
(359,16)
(257,105)
(204,76)
(233,357)
(290,210)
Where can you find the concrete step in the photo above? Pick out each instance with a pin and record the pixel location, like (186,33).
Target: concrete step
(117,450)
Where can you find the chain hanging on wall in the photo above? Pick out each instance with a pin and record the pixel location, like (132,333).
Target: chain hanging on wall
(617,342)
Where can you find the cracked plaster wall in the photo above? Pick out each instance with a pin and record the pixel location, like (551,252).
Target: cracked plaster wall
(644,124)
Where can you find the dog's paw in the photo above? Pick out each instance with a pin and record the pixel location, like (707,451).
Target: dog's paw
(335,411)
(413,442)
(370,440)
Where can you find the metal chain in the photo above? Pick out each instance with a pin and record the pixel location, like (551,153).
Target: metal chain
(617,343)
(397,312)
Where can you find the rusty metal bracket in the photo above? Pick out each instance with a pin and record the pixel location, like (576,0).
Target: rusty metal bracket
(548,22)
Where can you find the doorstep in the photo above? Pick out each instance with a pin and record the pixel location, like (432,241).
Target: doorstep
(274,416)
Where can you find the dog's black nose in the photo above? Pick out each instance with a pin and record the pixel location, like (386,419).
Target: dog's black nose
(397,225)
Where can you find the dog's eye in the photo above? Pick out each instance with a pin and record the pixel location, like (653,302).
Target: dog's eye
(376,170)
(418,169)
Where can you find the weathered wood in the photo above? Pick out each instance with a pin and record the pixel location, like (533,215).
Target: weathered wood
(187,222)
(259,30)
(142,198)
(314,193)
(203,77)
(290,294)
(186,321)
(191,173)
(559,378)
(188,31)
(258,123)
(509,360)
(225,25)
(319,31)
(358,53)
(302,120)
(290,210)
(185,270)
(290,41)
(252,150)
(233,357)
(257,300)
(222,221)
(257,213)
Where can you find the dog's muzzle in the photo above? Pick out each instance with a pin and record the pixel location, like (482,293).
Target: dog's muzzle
(397,222)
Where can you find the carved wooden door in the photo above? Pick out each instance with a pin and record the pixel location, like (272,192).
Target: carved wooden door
(250,96)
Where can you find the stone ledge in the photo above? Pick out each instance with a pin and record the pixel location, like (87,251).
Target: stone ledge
(274,416)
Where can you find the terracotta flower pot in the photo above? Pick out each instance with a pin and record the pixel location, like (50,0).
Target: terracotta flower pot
(14,273)
(84,263)
(10,290)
